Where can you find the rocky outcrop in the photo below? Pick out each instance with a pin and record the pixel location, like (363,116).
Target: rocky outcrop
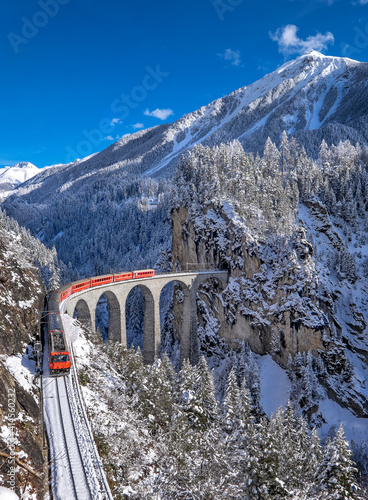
(274,300)
(263,303)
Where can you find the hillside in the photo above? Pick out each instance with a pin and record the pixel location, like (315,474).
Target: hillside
(311,97)
(294,242)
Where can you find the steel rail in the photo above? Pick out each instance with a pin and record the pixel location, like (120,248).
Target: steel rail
(64,438)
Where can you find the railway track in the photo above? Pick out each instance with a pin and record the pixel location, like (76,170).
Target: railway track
(79,480)
(76,469)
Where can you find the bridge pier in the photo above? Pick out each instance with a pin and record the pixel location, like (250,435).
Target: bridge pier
(193,338)
(114,317)
(123,335)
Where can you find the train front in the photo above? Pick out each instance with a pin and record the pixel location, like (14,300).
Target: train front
(59,363)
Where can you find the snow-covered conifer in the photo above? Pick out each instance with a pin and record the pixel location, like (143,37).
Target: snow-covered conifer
(335,477)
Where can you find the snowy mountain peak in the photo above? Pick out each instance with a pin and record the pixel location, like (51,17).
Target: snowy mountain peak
(312,97)
(11,177)
(24,165)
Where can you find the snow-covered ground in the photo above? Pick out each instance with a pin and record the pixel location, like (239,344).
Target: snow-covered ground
(355,428)
(275,392)
(275,385)
(6,494)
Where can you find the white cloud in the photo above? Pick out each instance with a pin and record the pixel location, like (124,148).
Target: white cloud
(108,138)
(115,121)
(233,56)
(289,42)
(162,114)
(138,125)
(361,2)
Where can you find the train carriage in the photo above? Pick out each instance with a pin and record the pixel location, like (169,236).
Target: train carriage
(144,273)
(59,356)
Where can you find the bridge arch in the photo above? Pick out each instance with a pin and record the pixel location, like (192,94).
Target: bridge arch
(134,317)
(114,315)
(181,301)
(151,338)
(82,312)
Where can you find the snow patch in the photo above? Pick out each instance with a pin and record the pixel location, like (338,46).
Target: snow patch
(275,385)
(21,368)
(355,428)
(6,494)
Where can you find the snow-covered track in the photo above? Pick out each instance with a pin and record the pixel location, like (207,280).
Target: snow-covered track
(72,447)
(100,489)
(76,469)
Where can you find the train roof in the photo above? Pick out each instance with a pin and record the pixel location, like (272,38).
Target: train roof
(57,341)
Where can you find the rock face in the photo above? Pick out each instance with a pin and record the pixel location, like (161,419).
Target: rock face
(273,301)
(22,299)
(259,305)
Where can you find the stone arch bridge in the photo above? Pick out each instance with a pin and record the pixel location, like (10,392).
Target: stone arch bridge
(85,303)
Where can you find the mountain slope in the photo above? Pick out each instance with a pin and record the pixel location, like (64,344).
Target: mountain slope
(311,97)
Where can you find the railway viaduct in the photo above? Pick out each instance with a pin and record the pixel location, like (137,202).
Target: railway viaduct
(85,303)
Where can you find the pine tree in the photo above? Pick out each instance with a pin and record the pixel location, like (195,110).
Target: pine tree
(335,477)
(206,395)
(313,456)
(324,154)
(265,481)
(156,398)
(286,158)
(245,439)
(229,405)
(188,397)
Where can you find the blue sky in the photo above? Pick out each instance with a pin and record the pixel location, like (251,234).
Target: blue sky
(78,74)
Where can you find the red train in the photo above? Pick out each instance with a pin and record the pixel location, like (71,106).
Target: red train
(77,286)
(59,357)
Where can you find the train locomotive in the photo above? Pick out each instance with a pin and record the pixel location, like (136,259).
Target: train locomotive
(59,355)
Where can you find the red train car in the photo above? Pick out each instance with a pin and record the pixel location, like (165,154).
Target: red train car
(64,294)
(144,273)
(123,276)
(81,285)
(102,280)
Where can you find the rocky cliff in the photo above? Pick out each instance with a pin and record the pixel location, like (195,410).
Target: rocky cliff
(22,295)
(275,301)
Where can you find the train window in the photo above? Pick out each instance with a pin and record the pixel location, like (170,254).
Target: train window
(59,358)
